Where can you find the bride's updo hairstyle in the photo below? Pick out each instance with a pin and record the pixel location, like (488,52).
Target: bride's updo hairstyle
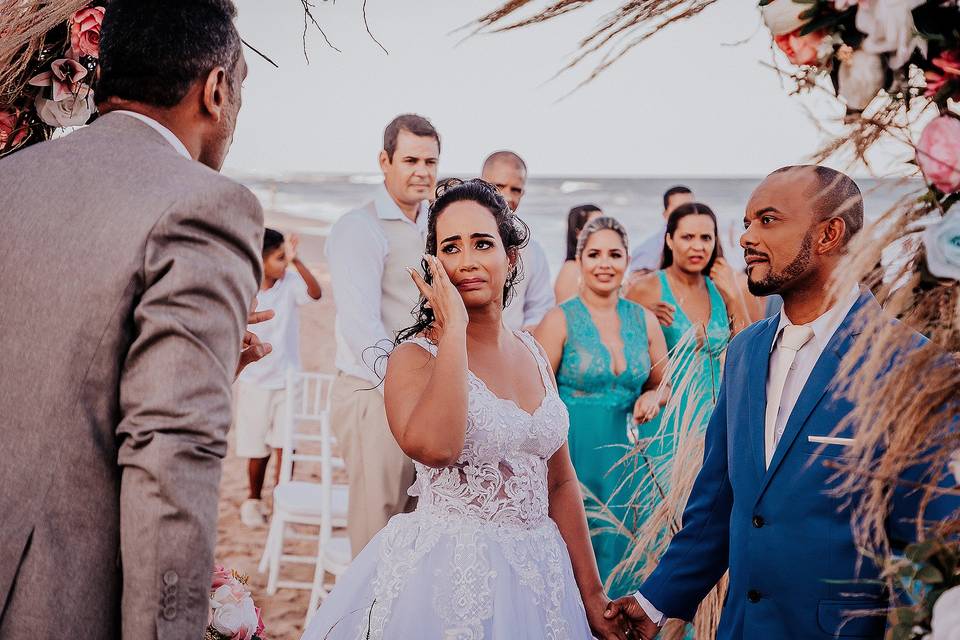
(514,234)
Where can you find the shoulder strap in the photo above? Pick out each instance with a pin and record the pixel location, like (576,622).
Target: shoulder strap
(666,294)
(424,344)
(717,305)
(636,315)
(540,356)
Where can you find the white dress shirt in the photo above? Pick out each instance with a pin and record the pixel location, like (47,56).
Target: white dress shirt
(647,254)
(282,332)
(356,251)
(533,296)
(168,135)
(824,327)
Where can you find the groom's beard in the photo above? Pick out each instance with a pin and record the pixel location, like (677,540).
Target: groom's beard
(774,282)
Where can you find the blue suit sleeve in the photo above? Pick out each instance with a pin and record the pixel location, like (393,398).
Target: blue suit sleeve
(698,554)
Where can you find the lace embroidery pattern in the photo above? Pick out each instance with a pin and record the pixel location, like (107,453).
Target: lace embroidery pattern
(586,374)
(496,493)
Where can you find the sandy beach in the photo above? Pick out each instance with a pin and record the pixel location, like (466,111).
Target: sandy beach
(238,547)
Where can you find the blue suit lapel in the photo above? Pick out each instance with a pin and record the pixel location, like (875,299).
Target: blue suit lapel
(757,396)
(822,376)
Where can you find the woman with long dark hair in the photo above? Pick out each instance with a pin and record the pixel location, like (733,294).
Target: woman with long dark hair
(568,279)
(609,356)
(498,545)
(700,306)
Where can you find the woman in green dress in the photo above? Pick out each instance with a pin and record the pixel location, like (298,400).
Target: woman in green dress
(609,356)
(698,301)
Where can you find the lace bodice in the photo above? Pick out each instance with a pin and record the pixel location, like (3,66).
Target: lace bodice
(501,474)
(586,375)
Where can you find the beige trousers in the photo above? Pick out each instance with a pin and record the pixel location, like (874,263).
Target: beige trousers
(378,471)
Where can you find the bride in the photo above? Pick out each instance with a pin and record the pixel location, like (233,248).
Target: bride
(498,546)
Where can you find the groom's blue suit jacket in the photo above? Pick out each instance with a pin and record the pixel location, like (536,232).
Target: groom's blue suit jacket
(788,546)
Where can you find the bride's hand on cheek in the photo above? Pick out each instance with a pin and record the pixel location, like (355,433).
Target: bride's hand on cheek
(449,311)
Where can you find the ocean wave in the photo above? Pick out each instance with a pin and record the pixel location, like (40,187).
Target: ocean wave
(573,186)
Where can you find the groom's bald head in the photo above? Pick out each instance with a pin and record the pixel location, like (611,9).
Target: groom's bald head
(798,224)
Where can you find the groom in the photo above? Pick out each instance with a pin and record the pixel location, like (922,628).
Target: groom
(759,506)
(128,265)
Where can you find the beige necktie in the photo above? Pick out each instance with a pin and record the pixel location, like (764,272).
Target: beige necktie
(791,341)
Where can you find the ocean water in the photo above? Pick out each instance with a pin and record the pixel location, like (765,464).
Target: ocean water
(636,202)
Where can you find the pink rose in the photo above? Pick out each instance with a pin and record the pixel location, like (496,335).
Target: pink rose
(938,153)
(801,50)
(221,576)
(85,32)
(11,134)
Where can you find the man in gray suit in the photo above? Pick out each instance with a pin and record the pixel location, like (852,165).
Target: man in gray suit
(127,267)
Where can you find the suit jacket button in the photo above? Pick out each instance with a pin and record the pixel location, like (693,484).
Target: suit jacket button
(169,613)
(170,578)
(753,595)
(758,522)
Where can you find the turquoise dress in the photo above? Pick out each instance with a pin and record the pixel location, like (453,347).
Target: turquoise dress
(600,404)
(694,370)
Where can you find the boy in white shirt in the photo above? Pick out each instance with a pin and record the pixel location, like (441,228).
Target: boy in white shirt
(260,390)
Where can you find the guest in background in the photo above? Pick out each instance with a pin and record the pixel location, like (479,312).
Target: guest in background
(646,257)
(260,390)
(568,280)
(697,283)
(368,251)
(609,356)
(533,295)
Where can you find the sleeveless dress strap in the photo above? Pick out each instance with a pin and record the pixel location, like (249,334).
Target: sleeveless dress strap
(666,293)
(718,308)
(424,344)
(539,356)
(633,318)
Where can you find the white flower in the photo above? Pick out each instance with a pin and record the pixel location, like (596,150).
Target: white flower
(235,618)
(955,466)
(783,16)
(860,78)
(890,29)
(72,111)
(946,616)
(942,242)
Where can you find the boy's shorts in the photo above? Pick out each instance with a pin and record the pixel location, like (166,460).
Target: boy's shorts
(258,419)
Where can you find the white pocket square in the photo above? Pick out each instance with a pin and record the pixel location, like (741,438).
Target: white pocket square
(844,442)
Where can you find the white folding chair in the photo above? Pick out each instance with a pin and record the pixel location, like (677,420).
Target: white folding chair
(307,502)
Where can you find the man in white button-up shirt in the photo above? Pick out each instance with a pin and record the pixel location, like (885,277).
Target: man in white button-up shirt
(760,507)
(368,251)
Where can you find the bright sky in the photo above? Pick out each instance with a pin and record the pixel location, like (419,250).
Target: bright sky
(694,100)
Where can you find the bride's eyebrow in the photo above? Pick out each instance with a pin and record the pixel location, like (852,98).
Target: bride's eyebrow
(472,235)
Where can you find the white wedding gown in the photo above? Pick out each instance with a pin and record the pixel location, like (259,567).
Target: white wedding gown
(479,558)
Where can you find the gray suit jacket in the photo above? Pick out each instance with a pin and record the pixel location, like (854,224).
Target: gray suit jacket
(126,271)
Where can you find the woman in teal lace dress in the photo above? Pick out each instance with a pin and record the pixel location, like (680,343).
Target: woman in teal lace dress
(609,357)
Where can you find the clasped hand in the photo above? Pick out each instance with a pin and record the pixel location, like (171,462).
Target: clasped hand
(632,618)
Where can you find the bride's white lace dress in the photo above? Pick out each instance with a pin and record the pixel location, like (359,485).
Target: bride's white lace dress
(480,557)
